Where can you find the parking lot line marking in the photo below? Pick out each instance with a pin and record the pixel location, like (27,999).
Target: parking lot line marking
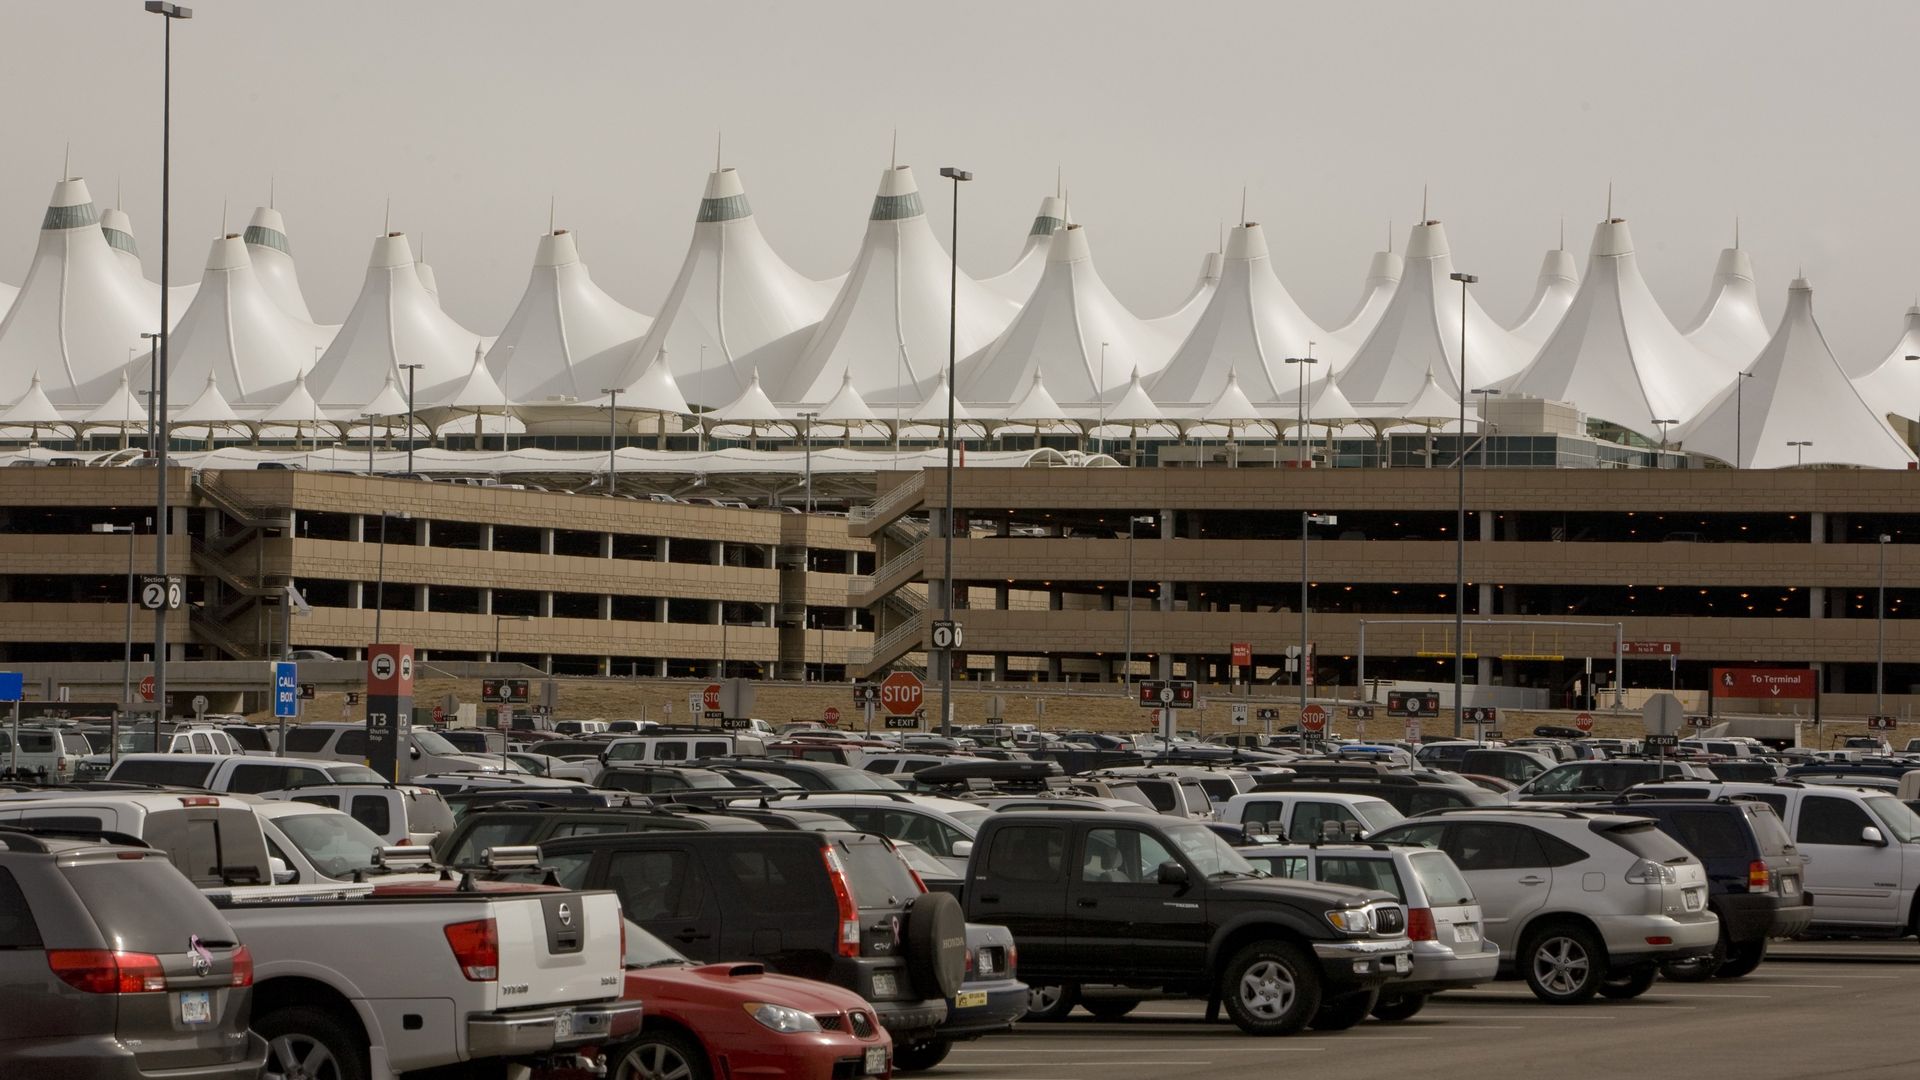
(1131,1047)
(1805,986)
(1474,1014)
(1486,1027)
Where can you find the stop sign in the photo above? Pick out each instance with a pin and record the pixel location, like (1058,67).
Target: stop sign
(710,697)
(146,688)
(831,716)
(439,714)
(1584,721)
(900,693)
(1313,718)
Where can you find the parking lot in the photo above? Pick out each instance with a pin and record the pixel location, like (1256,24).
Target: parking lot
(1813,1009)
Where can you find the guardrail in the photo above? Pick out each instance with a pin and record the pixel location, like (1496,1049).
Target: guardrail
(889,644)
(886,503)
(896,570)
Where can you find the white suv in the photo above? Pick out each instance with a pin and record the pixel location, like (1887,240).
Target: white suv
(1582,902)
(1303,815)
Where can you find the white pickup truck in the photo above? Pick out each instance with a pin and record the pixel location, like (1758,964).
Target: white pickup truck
(421,975)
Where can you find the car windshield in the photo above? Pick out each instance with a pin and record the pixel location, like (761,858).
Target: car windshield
(1440,879)
(1209,853)
(971,819)
(432,742)
(646,951)
(1899,819)
(851,779)
(354,774)
(1378,815)
(335,844)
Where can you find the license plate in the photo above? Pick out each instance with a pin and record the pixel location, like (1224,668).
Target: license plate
(563,1025)
(876,1063)
(1694,900)
(196,1007)
(969,999)
(885,985)
(1789,886)
(1466,935)
(986,962)
(1403,963)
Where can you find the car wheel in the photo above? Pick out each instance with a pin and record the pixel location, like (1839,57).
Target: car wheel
(1563,964)
(1625,985)
(1106,1008)
(1343,1012)
(1742,959)
(1399,1006)
(920,1056)
(311,1044)
(1271,988)
(663,1054)
(1051,1001)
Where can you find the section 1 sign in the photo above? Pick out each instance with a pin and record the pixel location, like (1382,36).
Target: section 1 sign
(1796,683)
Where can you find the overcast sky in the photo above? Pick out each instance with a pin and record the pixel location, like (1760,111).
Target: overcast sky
(470,115)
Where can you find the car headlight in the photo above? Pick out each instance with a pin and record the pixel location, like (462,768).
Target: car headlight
(780,1018)
(1352,920)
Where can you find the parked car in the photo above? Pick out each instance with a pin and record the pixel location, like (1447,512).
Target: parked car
(1304,815)
(239,773)
(1600,781)
(817,905)
(1862,850)
(1580,903)
(736,1018)
(51,754)
(1755,878)
(516,826)
(427,751)
(214,840)
(681,744)
(404,814)
(943,828)
(1444,921)
(316,845)
(1410,793)
(1151,903)
(113,964)
(811,775)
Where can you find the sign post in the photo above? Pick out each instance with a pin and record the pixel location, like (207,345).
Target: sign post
(389,709)
(13,687)
(286,699)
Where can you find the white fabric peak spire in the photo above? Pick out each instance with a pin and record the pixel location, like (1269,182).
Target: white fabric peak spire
(272,254)
(393,323)
(1017,283)
(1251,324)
(1553,293)
(235,332)
(566,338)
(1729,328)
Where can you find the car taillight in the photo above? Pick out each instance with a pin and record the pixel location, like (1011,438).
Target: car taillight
(476,948)
(969,968)
(1420,926)
(843,898)
(623,939)
(199,800)
(100,971)
(243,966)
(1013,959)
(1759,876)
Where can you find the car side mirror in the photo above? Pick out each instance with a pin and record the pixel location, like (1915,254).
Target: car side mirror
(413,752)
(282,873)
(962,848)
(1871,835)
(1172,873)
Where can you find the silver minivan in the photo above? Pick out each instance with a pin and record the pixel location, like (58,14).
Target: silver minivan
(428,752)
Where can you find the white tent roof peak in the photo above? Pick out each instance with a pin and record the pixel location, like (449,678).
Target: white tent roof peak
(1553,293)
(752,406)
(846,404)
(272,254)
(33,407)
(1250,321)
(1383,277)
(1892,386)
(1231,406)
(1432,405)
(566,336)
(1797,391)
(934,409)
(1614,354)
(210,407)
(121,407)
(394,321)
(735,305)
(1134,406)
(117,228)
(298,407)
(889,323)
(478,390)
(1729,327)
(1037,406)
(389,401)
(237,332)
(1017,282)
(1329,405)
(655,388)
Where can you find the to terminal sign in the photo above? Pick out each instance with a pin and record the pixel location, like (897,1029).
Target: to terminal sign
(901,693)
(1798,683)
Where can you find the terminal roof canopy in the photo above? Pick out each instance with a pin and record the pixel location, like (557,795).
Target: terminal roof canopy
(1017,283)
(272,255)
(1615,355)
(735,308)
(1383,279)
(1892,386)
(1798,392)
(1553,293)
(1729,327)
(393,323)
(235,332)
(1251,324)
(566,338)
(888,327)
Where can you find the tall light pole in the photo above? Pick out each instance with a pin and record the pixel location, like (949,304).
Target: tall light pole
(1664,425)
(1460,527)
(1910,357)
(1880,632)
(807,442)
(169,13)
(1739,398)
(1306,606)
(126,658)
(613,436)
(153,388)
(958,176)
(410,369)
(497,620)
(1301,363)
(1100,395)
(1799,451)
(1126,673)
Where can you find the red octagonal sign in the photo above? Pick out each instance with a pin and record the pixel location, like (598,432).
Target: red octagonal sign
(1313,717)
(1584,721)
(900,693)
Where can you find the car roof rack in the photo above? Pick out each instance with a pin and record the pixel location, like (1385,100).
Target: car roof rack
(28,830)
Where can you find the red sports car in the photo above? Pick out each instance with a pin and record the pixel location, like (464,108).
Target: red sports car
(707,1021)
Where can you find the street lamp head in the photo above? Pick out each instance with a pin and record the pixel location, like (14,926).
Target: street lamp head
(951,173)
(1464,279)
(1486,391)
(1303,360)
(411,367)
(103,528)
(1799,442)
(171,11)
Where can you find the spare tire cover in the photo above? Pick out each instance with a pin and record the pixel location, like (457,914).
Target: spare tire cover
(935,944)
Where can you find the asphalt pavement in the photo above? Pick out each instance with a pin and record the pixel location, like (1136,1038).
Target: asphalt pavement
(1814,1009)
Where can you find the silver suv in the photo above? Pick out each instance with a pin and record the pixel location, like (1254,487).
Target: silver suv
(1582,902)
(1450,948)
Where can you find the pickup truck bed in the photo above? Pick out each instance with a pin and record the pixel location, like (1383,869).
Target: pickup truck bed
(397,983)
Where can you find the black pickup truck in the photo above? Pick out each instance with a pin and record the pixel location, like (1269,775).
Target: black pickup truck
(1156,904)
